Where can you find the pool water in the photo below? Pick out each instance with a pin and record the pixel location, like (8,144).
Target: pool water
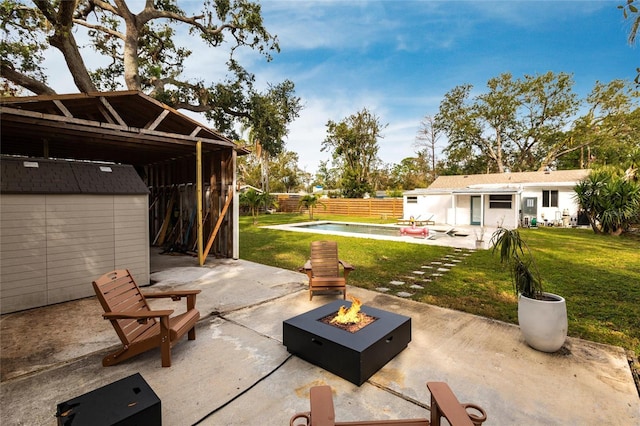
(353,228)
(391,232)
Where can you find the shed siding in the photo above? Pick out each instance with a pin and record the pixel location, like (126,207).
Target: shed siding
(22,252)
(131,237)
(53,246)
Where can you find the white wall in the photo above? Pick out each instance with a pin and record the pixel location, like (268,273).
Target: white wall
(53,246)
(441,206)
(436,204)
(565,201)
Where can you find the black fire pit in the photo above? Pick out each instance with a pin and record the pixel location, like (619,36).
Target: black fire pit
(353,356)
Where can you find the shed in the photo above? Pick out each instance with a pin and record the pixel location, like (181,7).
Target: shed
(187,168)
(64,221)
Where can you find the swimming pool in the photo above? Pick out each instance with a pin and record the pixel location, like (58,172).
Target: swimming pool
(438,235)
(357,228)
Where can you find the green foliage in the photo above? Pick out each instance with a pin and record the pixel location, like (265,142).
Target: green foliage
(410,173)
(354,142)
(256,201)
(525,275)
(284,174)
(395,193)
(609,130)
(22,44)
(511,126)
(610,199)
(310,202)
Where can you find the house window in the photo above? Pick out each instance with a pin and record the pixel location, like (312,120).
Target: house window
(500,201)
(412,200)
(549,198)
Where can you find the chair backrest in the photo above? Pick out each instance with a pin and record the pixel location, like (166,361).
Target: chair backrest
(117,291)
(324,259)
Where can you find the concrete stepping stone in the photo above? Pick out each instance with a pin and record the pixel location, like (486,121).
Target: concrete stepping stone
(417,287)
(427,267)
(436,263)
(450,265)
(404,294)
(443,269)
(419,272)
(382,289)
(396,282)
(456,260)
(437,275)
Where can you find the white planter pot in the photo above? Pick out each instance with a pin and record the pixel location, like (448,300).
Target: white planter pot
(543,322)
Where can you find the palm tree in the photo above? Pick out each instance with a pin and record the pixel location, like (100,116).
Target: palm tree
(255,201)
(309,202)
(610,201)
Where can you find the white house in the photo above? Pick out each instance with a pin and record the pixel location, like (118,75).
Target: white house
(507,199)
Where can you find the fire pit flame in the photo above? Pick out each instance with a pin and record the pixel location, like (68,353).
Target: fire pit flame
(351,315)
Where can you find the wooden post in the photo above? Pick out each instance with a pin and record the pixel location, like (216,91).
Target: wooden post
(199,199)
(218,223)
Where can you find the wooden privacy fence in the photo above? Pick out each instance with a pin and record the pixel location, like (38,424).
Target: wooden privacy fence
(371,207)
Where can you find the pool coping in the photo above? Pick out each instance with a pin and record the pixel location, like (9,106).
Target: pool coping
(467,241)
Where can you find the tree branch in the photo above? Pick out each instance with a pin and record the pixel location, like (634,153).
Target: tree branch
(31,84)
(105,6)
(63,40)
(99,28)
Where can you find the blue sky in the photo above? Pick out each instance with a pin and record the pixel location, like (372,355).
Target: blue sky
(398,58)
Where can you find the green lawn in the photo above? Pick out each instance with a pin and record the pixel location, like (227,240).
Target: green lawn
(598,275)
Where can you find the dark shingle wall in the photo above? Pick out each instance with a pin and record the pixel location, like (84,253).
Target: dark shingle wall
(67,177)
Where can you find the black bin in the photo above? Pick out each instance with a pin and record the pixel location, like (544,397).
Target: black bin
(126,402)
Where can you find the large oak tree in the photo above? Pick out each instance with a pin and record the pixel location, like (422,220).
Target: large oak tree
(143,55)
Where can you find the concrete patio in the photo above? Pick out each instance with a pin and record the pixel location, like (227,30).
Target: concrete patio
(238,372)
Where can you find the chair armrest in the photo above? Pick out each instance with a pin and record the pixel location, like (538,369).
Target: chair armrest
(444,403)
(142,317)
(136,315)
(322,411)
(346,265)
(306,416)
(174,294)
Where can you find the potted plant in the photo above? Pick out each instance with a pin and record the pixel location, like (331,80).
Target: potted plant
(542,316)
(479,237)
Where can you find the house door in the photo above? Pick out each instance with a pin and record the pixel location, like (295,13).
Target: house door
(529,210)
(476,210)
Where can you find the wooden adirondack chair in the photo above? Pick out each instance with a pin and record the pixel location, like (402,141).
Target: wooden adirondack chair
(140,328)
(443,404)
(323,269)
